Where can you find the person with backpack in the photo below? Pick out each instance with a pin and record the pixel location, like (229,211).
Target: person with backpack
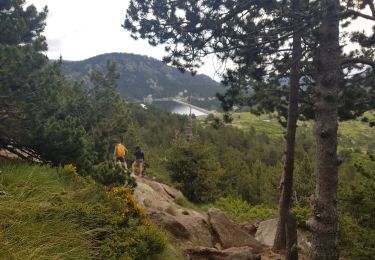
(139,160)
(119,154)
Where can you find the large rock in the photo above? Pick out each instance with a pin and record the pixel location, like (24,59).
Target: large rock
(234,253)
(168,222)
(198,226)
(228,233)
(267,230)
(186,227)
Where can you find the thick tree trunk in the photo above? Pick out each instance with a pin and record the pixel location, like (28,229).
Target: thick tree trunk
(323,223)
(285,202)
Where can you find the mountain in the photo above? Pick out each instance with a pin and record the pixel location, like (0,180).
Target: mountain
(141,76)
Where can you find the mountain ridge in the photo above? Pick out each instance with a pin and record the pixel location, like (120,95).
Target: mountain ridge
(142,75)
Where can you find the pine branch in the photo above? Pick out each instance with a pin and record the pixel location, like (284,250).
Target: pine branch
(354,13)
(358,60)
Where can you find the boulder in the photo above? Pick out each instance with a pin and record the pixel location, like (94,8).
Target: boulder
(193,227)
(267,230)
(230,234)
(206,253)
(198,226)
(168,222)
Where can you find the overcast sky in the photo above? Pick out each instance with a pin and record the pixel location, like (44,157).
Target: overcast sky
(80,29)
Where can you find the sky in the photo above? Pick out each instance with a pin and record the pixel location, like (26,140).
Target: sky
(80,29)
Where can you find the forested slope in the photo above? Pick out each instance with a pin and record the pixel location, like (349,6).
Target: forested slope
(141,76)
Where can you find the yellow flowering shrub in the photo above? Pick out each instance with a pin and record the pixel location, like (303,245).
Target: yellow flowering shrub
(130,206)
(71,168)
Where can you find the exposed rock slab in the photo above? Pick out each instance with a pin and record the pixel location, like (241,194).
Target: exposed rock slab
(205,253)
(230,234)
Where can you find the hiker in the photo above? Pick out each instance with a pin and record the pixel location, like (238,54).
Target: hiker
(119,154)
(139,159)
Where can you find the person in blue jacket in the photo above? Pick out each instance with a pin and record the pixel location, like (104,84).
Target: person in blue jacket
(139,160)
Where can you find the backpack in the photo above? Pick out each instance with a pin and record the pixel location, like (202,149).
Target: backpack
(120,150)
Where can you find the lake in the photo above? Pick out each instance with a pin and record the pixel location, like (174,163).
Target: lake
(177,108)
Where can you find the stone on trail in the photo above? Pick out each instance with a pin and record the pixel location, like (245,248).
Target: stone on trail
(228,233)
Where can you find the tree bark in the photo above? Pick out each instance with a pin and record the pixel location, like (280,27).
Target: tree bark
(286,198)
(323,223)
(291,237)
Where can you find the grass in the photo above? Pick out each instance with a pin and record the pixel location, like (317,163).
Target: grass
(53,213)
(262,124)
(29,225)
(352,134)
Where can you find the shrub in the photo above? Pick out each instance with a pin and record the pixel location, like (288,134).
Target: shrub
(302,215)
(240,210)
(355,242)
(108,173)
(196,172)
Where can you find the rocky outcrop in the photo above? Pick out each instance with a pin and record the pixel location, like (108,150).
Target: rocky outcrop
(209,236)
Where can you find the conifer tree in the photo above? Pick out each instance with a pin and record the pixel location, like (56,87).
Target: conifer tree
(21,60)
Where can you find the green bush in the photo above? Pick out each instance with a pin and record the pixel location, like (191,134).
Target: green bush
(302,215)
(108,173)
(241,211)
(196,172)
(355,242)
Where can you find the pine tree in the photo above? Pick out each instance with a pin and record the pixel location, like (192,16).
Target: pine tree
(21,60)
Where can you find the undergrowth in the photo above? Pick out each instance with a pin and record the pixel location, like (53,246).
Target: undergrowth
(50,213)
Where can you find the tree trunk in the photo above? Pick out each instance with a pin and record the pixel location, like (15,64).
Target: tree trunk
(285,202)
(323,223)
(291,237)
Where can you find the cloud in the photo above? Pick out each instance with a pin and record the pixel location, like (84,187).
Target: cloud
(55,44)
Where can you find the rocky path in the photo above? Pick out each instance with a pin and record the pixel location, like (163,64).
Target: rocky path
(204,236)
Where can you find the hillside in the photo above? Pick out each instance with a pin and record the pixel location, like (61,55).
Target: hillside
(66,216)
(141,76)
(53,213)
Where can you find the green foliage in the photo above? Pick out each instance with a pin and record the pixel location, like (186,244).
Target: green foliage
(67,216)
(302,215)
(182,201)
(109,173)
(195,171)
(241,211)
(355,241)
